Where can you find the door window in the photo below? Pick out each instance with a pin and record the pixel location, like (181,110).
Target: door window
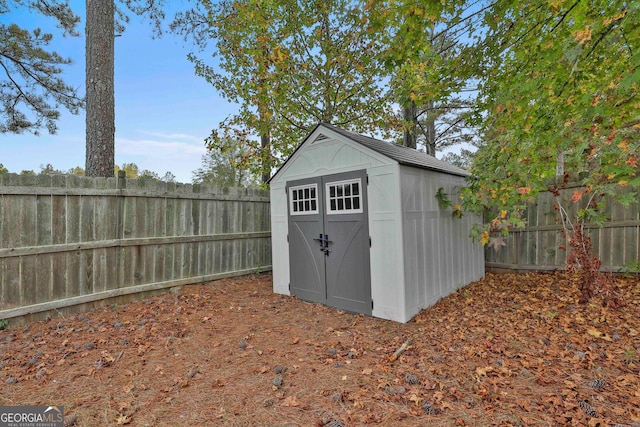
(303,199)
(343,197)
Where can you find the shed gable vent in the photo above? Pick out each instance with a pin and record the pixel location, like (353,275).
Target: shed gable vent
(319,138)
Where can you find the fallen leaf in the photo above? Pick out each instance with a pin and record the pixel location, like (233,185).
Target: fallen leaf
(446,405)
(598,334)
(417,400)
(484,371)
(123,419)
(292,401)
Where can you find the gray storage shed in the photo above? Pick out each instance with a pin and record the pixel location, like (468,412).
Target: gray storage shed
(356,225)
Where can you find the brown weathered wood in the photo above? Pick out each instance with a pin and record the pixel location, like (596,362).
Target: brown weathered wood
(28,289)
(43,280)
(66,237)
(44,220)
(59,280)
(11,282)
(539,245)
(32,250)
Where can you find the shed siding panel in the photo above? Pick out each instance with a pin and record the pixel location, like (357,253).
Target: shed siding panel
(385,228)
(280,253)
(439,254)
(419,252)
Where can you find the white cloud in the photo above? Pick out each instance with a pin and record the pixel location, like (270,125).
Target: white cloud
(180,136)
(179,155)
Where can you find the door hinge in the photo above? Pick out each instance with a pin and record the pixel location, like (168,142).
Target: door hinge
(367,179)
(371,304)
(289,287)
(369,241)
(288,239)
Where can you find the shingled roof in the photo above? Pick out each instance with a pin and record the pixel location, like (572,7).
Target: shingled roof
(403,155)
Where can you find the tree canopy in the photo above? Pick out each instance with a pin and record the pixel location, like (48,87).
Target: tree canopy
(290,65)
(31,86)
(562,85)
(226,167)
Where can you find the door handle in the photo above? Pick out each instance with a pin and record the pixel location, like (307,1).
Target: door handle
(323,242)
(326,245)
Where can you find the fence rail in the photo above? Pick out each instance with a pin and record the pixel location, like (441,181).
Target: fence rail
(68,240)
(540,245)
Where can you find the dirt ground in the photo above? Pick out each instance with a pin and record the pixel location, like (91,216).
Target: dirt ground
(508,350)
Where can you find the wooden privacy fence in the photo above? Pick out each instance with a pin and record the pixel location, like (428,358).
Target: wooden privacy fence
(537,247)
(68,240)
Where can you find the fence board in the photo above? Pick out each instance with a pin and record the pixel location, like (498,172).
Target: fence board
(43,220)
(10,211)
(59,279)
(73,272)
(43,278)
(73,219)
(67,240)
(58,220)
(539,246)
(11,282)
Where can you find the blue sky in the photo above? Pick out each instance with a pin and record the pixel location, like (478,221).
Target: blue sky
(163,110)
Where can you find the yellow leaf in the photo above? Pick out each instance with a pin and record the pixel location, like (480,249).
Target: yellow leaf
(485,238)
(596,333)
(415,399)
(292,401)
(123,419)
(484,371)
(583,36)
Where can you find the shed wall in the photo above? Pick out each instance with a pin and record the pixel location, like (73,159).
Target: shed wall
(385,228)
(336,155)
(439,255)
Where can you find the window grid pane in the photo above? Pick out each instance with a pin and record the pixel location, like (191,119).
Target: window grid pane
(344,197)
(304,200)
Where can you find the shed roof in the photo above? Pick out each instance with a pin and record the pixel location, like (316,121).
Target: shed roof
(403,155)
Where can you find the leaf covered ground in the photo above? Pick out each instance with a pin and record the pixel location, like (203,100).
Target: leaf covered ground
(507,350)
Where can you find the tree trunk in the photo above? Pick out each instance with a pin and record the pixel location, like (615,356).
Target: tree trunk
(410,138)
(100,118)
(560,164)
(265,145)
(430,142)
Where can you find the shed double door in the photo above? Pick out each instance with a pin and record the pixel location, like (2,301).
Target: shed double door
(329,241)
